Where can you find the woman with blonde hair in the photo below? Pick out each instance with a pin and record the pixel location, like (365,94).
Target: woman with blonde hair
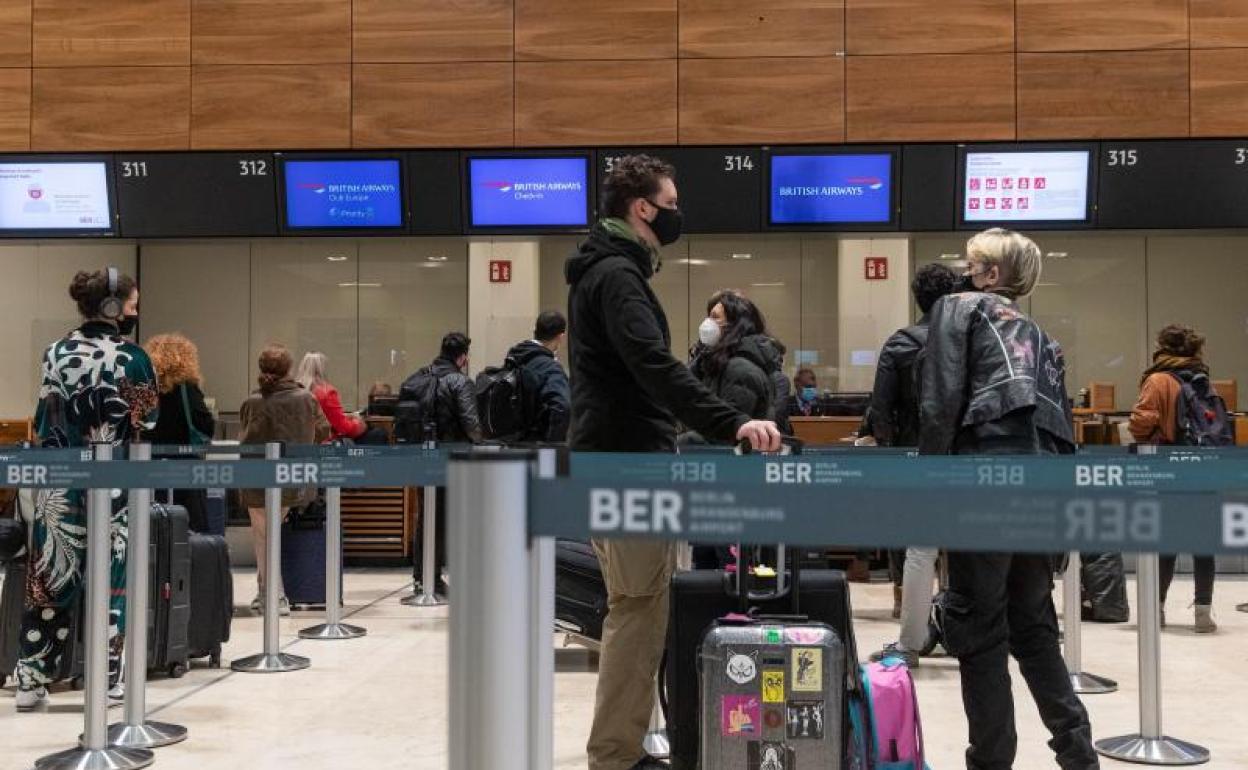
(313,376)
(185,420)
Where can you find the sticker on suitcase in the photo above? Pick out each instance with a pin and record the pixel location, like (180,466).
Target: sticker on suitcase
(773,718)
(805,719)
(803,635)
(740,716)
(807,669)
(742,669)
(763,755)
(773,686)
(774,635)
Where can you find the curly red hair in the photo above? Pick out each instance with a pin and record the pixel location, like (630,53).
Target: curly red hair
(176,360)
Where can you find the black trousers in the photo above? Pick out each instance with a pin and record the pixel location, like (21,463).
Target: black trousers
(1205,573)
(1001,604)
(418,545)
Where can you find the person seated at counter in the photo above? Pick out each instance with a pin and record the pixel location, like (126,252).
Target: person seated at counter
(805,399)
(381,400)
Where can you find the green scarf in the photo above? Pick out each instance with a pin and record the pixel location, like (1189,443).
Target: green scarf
(1169,362)
(621,227)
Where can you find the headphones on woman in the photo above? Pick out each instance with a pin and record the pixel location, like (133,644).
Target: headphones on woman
(111,307)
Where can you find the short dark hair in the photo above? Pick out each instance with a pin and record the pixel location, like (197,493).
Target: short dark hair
(550,324)
(89,290)
(803,373)
(931,282)
(633,177)
(454,345)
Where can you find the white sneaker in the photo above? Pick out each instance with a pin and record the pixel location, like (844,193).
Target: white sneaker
(283,606)
(29,700)
(257,604)
(117,694)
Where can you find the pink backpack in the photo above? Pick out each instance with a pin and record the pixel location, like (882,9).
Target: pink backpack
(893,724)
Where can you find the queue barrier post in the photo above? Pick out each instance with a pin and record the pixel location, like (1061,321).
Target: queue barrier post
(333,627)
(1072,628)
(93,752)
(541,646)
(272,660)
(427,595)
(136,732)
(490,612)
(1150,746)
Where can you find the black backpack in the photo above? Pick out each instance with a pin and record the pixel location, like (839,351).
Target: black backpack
(416,414)
(503,401)
(1202,417)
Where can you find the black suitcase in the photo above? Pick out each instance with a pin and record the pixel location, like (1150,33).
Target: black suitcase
(212,597)
(580,591)
(169,590)
(303,557)
(700,598)
(12,604)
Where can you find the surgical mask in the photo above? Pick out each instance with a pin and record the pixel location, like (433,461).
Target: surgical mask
(127,324)
(667,224)
(709,332)
(809,394)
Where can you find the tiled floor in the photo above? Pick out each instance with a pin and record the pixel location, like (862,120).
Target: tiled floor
(379,702)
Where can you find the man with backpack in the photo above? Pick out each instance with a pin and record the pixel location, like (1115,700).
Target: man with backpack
(528,399)
(893,420)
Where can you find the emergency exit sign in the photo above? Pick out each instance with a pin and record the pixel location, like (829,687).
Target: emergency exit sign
(877,268)
(500,271)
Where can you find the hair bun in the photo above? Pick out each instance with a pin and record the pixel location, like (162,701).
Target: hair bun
(80,287)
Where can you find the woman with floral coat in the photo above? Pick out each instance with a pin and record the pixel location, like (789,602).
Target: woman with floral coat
(96,387)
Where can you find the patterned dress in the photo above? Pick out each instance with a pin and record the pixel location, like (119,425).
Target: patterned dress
(96,387)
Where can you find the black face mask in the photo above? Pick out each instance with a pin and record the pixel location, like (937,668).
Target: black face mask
(965,283)
(127,324)
(666,224)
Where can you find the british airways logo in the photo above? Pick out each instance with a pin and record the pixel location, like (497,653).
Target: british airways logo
(536,187)
(316,187)
(869,182)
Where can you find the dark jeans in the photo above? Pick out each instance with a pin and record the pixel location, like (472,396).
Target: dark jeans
(419,543)
(998,605)
(1205,572)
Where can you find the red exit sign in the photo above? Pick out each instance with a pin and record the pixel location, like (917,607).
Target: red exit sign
(876,268)
(500,271)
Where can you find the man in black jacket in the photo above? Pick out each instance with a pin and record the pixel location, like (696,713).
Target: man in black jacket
(994,383)
(627,394)
(546,385)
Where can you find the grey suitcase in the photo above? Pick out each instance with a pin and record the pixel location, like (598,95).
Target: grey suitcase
(773,695)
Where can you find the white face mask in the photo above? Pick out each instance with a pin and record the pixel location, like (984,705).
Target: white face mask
(709,332)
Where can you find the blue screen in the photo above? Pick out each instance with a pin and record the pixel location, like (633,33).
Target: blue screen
(831,189)
(529,192)
(335,194)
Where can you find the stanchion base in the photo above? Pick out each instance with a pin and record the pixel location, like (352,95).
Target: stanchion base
(149,735)
(1152,751)
(98,759)
(423,600)
(1091,684)
(270,664)
(656,744)
(331,631)
(1242,607)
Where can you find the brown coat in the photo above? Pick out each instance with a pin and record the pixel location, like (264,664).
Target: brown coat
(289,414)
(1154,419)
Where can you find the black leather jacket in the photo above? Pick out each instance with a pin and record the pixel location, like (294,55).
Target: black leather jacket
(456,404)
(893,415)
(992,381)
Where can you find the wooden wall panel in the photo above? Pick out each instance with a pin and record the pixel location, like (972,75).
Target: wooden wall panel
(15,33)
(1103,95)
(110,108)
(432,30)
(1220,92)
(575,29)
(758,28)
(280,107)
(1219,23)
(14,109)
(595,103)
(929,98)
(921,26)
(791,100)
(465,104)
(271,31)
(1096,25)
(92,33)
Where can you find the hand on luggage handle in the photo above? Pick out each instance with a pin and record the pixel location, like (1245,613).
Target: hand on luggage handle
(789,445)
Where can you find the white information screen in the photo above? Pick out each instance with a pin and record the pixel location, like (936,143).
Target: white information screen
(1041,186)
(54,196)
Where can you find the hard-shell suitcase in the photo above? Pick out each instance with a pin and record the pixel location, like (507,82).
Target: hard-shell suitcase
(169,590)
(772,695)
(212,597)
(303,557)
(580,591)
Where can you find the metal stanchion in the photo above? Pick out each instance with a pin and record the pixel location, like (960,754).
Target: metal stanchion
(272,660)
(333,627)
(490,618)
(1072,647)
(94,754)
(136,732)
(1150,746)
(542,649)
(428,595)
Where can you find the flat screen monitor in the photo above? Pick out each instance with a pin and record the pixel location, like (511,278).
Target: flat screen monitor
(43,196)
(531,192)
(343,194)
(1004,186)
(832,189)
